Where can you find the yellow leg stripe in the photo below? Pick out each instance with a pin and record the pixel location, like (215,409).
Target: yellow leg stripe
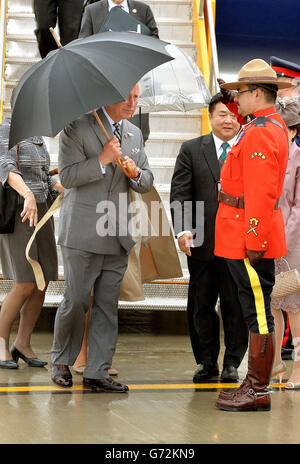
(258,297)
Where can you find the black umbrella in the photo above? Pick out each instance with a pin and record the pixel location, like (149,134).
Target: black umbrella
(85,74)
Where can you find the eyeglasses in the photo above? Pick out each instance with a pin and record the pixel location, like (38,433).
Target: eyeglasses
(239,92)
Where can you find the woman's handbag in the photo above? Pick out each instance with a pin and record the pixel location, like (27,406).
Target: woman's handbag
(8,205)
(286,283)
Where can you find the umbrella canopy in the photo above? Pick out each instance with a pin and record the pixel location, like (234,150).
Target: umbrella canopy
(85,74)
(174,86)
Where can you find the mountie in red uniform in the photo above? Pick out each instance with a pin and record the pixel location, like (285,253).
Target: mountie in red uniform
(253,173)
(250,227)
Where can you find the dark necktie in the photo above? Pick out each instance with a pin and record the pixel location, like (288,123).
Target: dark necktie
(222,158)
(117,131)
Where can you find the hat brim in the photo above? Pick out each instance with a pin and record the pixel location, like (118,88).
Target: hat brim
(236,85)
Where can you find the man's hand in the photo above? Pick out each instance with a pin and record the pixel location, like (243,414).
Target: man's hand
(254,256)
(185,243)
(130,167)
(227,95)
(111,152)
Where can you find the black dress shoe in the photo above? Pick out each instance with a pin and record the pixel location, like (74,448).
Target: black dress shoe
(61,375)
(229,374)
(107,385)
(32,362)
(205,372)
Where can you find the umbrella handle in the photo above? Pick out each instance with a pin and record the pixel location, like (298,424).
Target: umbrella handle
(55,37)
(129,173)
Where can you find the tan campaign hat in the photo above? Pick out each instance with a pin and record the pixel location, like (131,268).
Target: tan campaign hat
(256,72)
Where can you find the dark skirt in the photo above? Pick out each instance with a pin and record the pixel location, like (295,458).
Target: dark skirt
(12,249)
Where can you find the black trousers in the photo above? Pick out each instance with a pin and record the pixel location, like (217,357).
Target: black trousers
(208,280)
(255,284)
(47,13)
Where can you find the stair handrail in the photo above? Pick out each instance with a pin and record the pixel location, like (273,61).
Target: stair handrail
(206,45)
(3,18)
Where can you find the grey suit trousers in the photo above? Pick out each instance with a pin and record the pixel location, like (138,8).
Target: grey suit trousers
(85,271)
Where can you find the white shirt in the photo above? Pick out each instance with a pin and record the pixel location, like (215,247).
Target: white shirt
(124,5)
(218,144)
(219,150)
(111,121)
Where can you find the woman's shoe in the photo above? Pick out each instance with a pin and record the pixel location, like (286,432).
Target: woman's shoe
(9,364)
(32,362)
(79,369)
(279,371)
(112,371)
(292,385)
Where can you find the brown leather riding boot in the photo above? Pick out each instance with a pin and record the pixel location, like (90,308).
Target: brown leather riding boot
(253,394)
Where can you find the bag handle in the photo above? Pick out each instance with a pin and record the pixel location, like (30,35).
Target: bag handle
(289,268)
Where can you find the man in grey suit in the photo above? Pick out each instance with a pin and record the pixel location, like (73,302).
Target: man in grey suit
(94,236)
(92,21)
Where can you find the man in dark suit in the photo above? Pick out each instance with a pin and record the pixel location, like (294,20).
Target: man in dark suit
(196,174)
(96,13)
(47,12)
(93,19)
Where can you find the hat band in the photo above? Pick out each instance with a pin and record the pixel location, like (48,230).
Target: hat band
(253,79)
(286,72)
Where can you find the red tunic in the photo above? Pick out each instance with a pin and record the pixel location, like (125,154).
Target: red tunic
(254,169)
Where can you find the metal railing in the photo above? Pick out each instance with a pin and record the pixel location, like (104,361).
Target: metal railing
(3,15)
(207,56)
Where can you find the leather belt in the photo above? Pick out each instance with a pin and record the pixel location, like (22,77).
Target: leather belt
(236,202)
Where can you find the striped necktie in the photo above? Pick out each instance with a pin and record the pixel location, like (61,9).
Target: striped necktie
(117,131)
(222,158)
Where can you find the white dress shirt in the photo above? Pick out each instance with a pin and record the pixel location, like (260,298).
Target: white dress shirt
(219,151)
(218,144)
(124,5)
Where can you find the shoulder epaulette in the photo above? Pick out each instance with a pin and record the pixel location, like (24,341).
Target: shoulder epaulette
(260,121)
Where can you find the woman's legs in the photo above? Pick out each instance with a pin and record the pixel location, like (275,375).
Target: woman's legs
(28,317)
(82,357)
(11,307)
(295,329)
(279,331)
(24,298)
(80,362)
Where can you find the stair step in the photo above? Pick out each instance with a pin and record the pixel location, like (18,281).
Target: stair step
(160,8)
(26,45)
(169,295)
(170,121)
(169,28)
(20,6)
(166,144)
(171,8)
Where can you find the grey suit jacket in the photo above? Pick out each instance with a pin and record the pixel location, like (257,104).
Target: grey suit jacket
(95,15)
(94,215)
